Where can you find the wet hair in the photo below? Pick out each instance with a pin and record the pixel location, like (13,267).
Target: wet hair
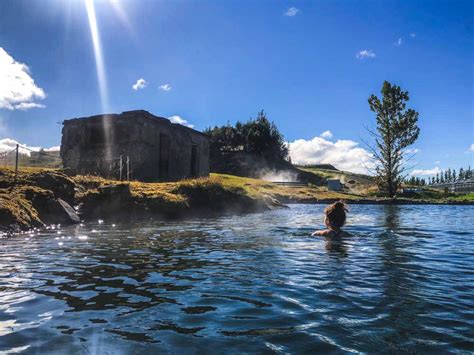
(336,214)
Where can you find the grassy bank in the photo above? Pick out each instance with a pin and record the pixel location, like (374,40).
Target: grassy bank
(23,199)
(26,196)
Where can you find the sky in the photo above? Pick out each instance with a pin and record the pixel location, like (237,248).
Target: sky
(311,65)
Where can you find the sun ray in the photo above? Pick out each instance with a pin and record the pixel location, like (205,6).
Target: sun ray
(98,54)
(101,77)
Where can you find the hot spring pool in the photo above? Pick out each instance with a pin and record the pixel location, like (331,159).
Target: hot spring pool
(253,283)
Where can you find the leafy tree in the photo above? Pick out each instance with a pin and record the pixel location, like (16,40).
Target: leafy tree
(259,136)
(437,178)
(462,175)
(441,179)
(454,175)
(396,129)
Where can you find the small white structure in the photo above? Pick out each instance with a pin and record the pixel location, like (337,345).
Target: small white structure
(334,185)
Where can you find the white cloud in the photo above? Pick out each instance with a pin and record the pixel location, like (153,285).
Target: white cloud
(8,144)
(165,87)
(292,11)
(181,121)
(24,106)
(413,35)
(326,134)
(426,172)
(398,42)
(343,154)
(17,88)
(365,54)
(140,84)
(471,148)
(55,148)
(437,162)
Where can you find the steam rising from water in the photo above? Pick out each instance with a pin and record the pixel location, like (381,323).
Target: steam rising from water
(278,176)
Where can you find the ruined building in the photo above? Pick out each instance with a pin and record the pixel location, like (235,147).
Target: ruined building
(157,150)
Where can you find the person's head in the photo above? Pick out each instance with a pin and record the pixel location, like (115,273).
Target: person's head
(335,215)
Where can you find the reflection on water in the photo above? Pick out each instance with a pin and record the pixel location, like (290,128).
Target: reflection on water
(403,282)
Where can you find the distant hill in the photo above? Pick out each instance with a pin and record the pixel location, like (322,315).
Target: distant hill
(321,166)
(356,183)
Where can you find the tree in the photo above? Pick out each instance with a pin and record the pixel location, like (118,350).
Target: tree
(454,175)
(396,129)
(461,174)
(258,136)
(437,178)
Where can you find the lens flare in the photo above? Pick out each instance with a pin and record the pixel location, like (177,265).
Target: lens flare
(99,58)
(102,79)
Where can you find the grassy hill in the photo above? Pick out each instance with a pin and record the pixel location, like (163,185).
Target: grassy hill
(356,183)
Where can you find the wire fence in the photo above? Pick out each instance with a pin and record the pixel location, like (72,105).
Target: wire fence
(118,168)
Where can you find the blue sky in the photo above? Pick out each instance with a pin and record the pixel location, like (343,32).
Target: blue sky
(310,64)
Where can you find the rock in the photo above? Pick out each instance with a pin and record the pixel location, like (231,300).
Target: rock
(273,203)
(109,200)
(17,213)
(70,213)
(61,185)
(56,211)
(122,190)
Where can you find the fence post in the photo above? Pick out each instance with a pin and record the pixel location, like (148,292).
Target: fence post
(16,161)
(128,168)
(120,168)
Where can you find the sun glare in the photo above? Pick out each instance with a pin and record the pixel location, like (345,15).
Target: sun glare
(98,54)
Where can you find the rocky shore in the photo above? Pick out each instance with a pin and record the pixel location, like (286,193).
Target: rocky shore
(36,198)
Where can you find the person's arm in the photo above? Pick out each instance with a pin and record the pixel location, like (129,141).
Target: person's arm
(319,233)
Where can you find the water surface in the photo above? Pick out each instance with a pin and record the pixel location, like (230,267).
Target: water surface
(259,282)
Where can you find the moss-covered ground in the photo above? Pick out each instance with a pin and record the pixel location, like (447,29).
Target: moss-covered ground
(215,193)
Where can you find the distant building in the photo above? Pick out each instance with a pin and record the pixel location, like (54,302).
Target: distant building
(334,185)
(158,150)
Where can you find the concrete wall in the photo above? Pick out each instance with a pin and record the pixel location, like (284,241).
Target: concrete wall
(93,145)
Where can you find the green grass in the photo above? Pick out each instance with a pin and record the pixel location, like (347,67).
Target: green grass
(467,197)
(216,193)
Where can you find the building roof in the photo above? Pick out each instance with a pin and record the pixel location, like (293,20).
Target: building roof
(133,114)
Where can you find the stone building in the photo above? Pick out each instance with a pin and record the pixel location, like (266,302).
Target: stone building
(157,149)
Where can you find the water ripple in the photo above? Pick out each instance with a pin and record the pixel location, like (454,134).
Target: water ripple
(256,283)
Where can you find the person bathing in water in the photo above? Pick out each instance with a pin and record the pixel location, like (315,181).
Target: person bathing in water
(335,217)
